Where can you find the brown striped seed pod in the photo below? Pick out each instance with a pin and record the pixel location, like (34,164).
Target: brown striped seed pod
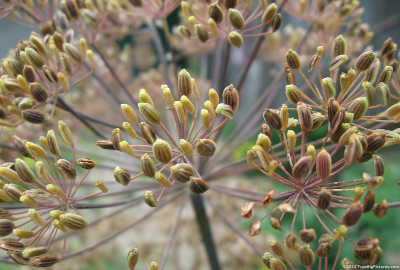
(358,107)
(181,172)
(364,61)
(380,209)
(370,92)
(24,172)
(266,257)
(338,46)
(52,143)
(386,75)
(122,176)
(147,165)
(369,201)
(305,118)
(376,257)
(306,255)
(301,167)
(34,116)
(44,261)
(385,94)
(86,163)
(247,210)
(373,71)
(150,199)
(38,92)
(133,257)
(50,74)
(333,108)
(17,257)
(393,111)
(255,228)
(277,264)
(185,85)
(6,227)
(276,247)
(387,48)
(293,59)
(14,191)
(229,3)
(323,250)
(33,251)
(215,12)
(276,223)
(375,141)
(198,186)
(293,93)
(148,133)
(5,214)
(290,77)
(11,245)
(362,250)
(66,168)
(72,221)
(162,151)
(324,165)
(276,23)
(308,235)
(324,199)
(273,119)
(290,241)
(116,138)
(337,120)
(379,165)
(206,147)
(236,19)
(105,144)
(353,214)
(29,73)
(337,62)
(150,113)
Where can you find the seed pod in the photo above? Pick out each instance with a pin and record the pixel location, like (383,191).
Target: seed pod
(185,85)
(11,245)
(52,143)
(290,241)
(373,71)
(305,118)
(180,112)
(371,181)
(205,118)
(310,151)
(376,257)
(255,228)
(187,104)
(206,147)
(277,264)
(276,224)
(370,93)
(308,235)
(318,119)
(149,199)
(293,93)
(290,77)
(72,221)
(380,209)
(385,94)
(364,61)
(6,227)
(229,3)
(65,133)
(66,168)
(340,232)
(128,128)
(148,132)
(4,196)
(293,59)
(36,218)
(333,108)
(201,33)
(338,46)
(44,261)
(162,180)
(29,201)
(150,113)
(18,257)
(186,147)
(329,87)
(235,39)
(230,96)
(273,119)
(314,60)
(38,92)
(130,114)
(358,107)
(66,64)
(323,250)
(262,156)
(181,172)
(276,22)
(34,58)
(324,199)
(56,190)
(24,172)
(375,141)
(144,97)
(215,12)
(162,151)
(122,176)
(324,165)
(337,62)
(55,214)
(369,201)
(269,13)
(386,75)
(50,74)
(306,255)
(213,97)
(184,31)
(133,257)
(379,166)
(198,186)
(225,110)
(291,139)
(169,99)
(10,175)
(393,111)
(236,19)
(266,257)
(148,167)
(34,116)
(116,138)
(86,163)
(264,141)
(105,144)
(33,251)
(353,214)
(247,210)
(343,82)
(394,64)
(13,191)
(276,247)
(5,214)
(301,167)
(29,73)
(362,250)
(386,48)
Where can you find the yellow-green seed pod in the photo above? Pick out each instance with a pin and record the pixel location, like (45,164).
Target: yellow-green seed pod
(57,224)
(291,139)
(6,227)
(66,64)
(262,156)
(210,108)
(358,192)
(225,110)
(37,149)
(26,103)
(128,128)
(276,247)
(52,143)
(147,165)
(154,266)
(34,58)
(56,190)
(65,133)
(33,251)
(150,113)
(98,183)
(184,7)
(169,99)
(269,13)
(36,218)
(145,98)
(338,47)
(213,97)
(116,138)
(125,147)
(198,186)
(386,75)
(66,168)
(385,94)
(92,58)
(4,196)
(293,59)
(73,52)
(236,19)
(162,180)
(122,176)
(181,172)
(373,71)
(265,258)
(340,232)
(213,27)
(44,261)
(393,111)
(235,39)
(185,85)
(306,255)
(276,22)
(186,147)
(310,151)
(73,222)
(130,114)
(149,199)
(277,264)
(180,111)
(162,151)
(41,171)
(305,118)
(264,141)
(10,175)
(337,62)
(273,165)
(250,155)
(24,234)
(63,81)
(55,214)
(206,147)
(21,147)
(23,83)
(29,201)
(184,31)
(358,107)
(364,61)
(370,92)
(133,257)
(205,118)
(329,86)
(195,89)
(83,46)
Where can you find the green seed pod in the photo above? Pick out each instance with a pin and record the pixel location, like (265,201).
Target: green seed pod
(34,58)
(162,151)
(150,113)
(206,147)
(29,201)
(235,39)
(44,261)
(386,75)
(329,87)
(293,59)
(198,186)
(148,133)
(215,12)
(14,191)
(52,143)
(23,233)
(184,31)
(364,61)
(269,13)
(201,33)
(181,172)
(373,71)
(33,251)
(162,180)
(122,176)
(293,93)
(149,199)
(65,133)
(55,214)
(338,47)
(133,257)
(236,19)
(337,62)
(276,22)
(72,221)
(98,183)
(144,97)
(385,94)
(306,255)
(66,64)
(301,167)
(185,85)
(148,167)
(41,171)
(6,227)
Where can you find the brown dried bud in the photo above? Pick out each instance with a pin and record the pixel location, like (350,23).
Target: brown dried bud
(267,131)
(181,172)
(215,12)
(255,228)
(247,210)
(148,132)
(275,223)
(364,61)
(323,250)
(306,255)
(293,59)
(379,166)
(380,209)
(18,257)
(308,235)
(198,186)
(369,201)
(375,141)
(34,116)
(206,147)
(230,96)
(44,261)
(86,163)
(338,46)
(266,257)
(66,168)
(72,221)
(305,118)
(333,108)
(301,167)
(273,119)
(293,94)
(324,165)
(6,227)
(276,247)
(324,199)
(105,144)
(277,264)
(353,214)
(362,250)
